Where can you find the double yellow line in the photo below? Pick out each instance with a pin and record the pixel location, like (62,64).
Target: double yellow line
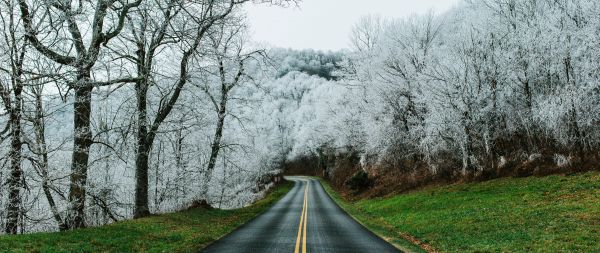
(303,218)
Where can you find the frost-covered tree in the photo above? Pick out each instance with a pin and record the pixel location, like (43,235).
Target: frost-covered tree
(110,60)
(12,82)
(486,82)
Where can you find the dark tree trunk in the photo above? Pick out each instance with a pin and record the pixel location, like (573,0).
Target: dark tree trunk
(81,146)
(216,144)
(141,177)
(530,145)
(469,166)
(576,131)
(493,124)
(528,96)
(143,149)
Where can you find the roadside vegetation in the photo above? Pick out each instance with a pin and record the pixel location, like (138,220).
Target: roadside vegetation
(186,231)
(559,213)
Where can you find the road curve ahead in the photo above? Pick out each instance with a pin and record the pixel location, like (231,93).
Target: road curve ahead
(305,220)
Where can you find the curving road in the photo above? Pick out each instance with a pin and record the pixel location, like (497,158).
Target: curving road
(305,220)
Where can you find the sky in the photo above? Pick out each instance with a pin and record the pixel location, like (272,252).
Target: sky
(326,24)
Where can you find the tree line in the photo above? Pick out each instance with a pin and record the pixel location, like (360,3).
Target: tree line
(487,89)
(104,98)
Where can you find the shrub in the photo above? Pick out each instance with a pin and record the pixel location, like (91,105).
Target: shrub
(359,181)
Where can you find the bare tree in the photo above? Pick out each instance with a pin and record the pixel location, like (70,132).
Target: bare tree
(11,92)
(203,16)
(39,147)
(230,56)
(104,28)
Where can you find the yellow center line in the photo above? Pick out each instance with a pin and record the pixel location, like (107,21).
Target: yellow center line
(303,218)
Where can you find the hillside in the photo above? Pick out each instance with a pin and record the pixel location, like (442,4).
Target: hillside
(558,213)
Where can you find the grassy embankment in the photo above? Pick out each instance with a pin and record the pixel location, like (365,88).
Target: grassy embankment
(534,214)
(186,231)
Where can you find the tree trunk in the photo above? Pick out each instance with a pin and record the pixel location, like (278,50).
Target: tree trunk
(15,182)
(576,131)
(141,162)
(216,144)
(468,166)
(531,144)
(494,126)
(82,108)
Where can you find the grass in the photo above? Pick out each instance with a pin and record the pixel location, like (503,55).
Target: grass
(187,231)
(535,214)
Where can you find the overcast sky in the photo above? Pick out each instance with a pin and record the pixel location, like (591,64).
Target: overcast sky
(326,24)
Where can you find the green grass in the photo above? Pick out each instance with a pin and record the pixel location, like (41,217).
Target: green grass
(547,214)
(187,231)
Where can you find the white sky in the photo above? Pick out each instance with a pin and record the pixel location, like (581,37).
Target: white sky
(326,24)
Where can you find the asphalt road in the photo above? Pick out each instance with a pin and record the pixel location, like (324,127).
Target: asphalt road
(305,220)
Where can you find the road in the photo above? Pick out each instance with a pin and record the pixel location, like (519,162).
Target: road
(305,220)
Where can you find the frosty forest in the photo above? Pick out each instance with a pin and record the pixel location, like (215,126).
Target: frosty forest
(118,109)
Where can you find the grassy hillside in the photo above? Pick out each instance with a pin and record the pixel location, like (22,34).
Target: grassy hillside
(186,231)
(547,214)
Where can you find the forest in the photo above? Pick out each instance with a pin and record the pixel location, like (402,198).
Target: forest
(119,109)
